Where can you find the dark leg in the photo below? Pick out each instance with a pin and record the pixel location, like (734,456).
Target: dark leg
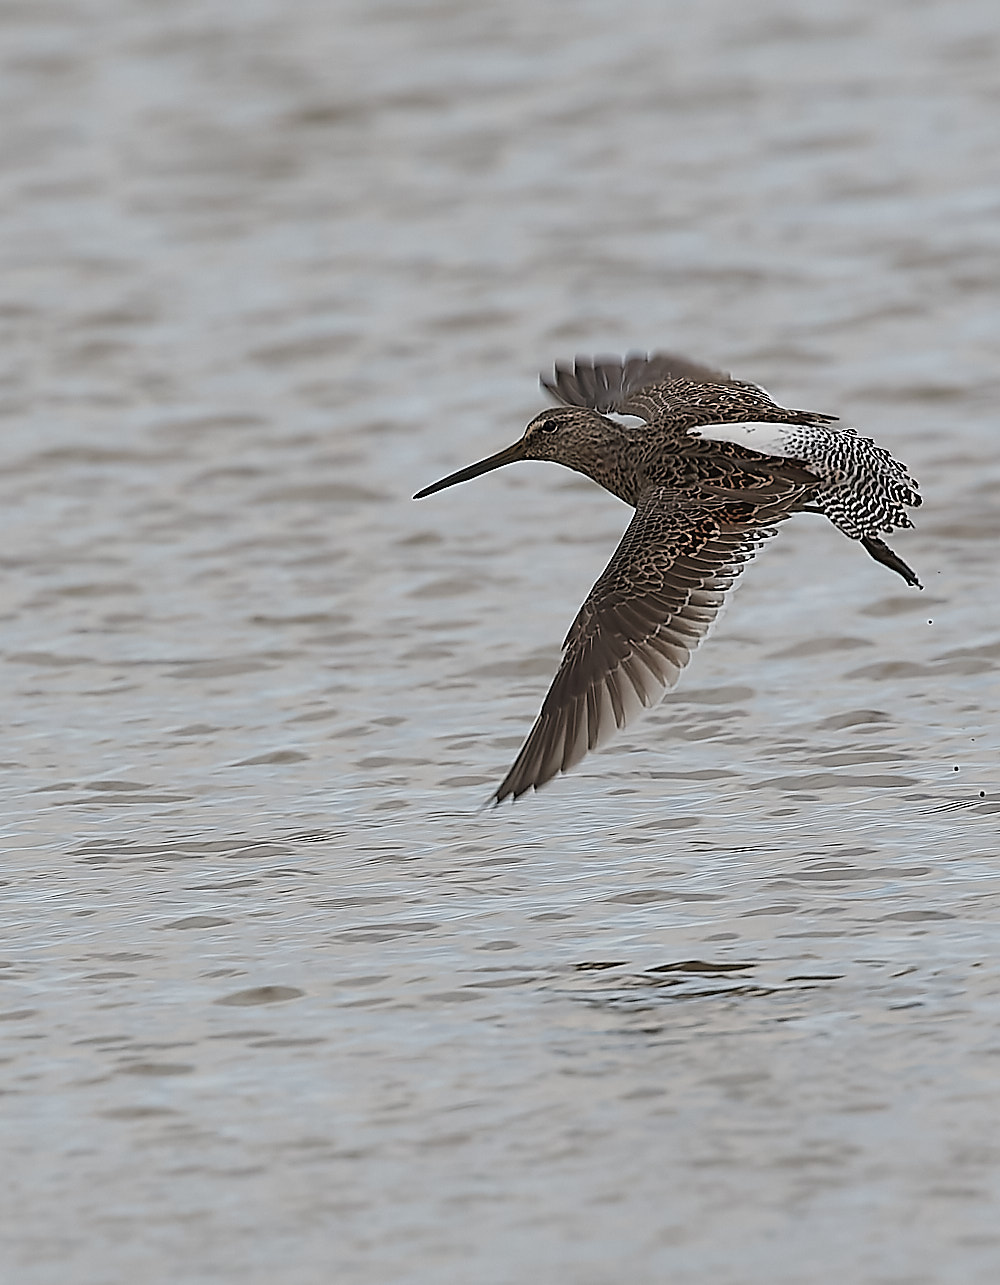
(881,552)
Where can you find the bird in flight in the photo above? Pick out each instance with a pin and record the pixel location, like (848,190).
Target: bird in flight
(710,464)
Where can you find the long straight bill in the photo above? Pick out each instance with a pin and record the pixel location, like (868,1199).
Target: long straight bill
(508,456)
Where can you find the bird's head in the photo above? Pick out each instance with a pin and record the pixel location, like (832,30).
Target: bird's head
(568,435)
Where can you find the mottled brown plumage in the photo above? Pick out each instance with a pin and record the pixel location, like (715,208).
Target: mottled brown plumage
(704,504)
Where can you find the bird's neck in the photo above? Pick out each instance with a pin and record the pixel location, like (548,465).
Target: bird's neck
(607,458)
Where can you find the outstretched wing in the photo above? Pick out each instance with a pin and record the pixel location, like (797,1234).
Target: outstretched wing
(669,391)
(611,383)
(643,618)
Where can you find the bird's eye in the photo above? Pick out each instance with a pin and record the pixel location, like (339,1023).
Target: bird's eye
(547,425)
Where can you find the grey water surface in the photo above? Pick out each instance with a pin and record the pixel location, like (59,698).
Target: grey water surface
(280,1003)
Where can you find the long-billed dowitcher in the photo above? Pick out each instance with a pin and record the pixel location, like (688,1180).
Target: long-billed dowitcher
(710,465)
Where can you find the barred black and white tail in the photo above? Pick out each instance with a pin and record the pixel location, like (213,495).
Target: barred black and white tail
(865,491)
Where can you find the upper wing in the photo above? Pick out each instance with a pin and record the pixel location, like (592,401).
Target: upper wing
(667,390)
(643,618)
(610,383)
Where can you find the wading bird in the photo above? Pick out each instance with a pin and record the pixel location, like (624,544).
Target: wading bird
(710,464)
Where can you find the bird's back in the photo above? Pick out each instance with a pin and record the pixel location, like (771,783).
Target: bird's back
(704,430)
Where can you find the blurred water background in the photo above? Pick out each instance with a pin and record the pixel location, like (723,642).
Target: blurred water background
(280,1005)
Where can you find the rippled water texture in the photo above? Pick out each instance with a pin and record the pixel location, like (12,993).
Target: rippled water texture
(281,1004)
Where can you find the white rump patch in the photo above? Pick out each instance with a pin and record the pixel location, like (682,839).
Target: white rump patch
(783,440)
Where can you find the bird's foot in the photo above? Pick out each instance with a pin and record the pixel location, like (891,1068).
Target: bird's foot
(880,551)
